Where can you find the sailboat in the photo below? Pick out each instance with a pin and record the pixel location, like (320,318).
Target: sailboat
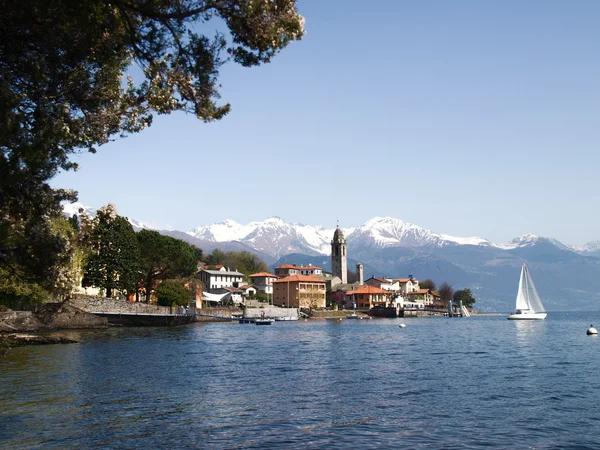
(529,306)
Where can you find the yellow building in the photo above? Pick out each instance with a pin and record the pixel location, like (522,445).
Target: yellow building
(299,291)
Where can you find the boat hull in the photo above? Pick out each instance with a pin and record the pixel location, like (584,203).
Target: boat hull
(527,316)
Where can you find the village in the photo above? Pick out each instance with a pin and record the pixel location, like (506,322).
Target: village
(310,288)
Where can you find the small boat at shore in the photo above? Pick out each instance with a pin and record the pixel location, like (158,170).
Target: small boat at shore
(285,319)
(529,305)
(264,321)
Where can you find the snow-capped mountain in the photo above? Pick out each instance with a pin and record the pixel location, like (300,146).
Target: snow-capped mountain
(277,237)
(391,232)
(530,239)
(273,236)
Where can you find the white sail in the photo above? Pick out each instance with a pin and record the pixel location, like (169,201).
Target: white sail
(527,297)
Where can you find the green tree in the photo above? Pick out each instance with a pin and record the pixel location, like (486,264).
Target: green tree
(445,292)
(465,296)
(163,257)
(172,293)
(38,262)
(427,284)
(245,262)
(63,88)
(217,256)
(113,262)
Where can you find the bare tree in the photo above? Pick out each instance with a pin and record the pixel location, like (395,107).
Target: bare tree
(446,293)
(427,284)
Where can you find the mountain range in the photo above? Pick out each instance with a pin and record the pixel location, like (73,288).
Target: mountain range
(566,277)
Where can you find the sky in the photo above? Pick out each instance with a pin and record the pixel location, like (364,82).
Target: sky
(469,118)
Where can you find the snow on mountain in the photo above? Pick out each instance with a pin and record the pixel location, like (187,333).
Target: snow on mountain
(592,246)
(391,232)
(530,239)
(226,231)
(276,237)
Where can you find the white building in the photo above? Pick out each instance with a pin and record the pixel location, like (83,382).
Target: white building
(408,285)
(218,279)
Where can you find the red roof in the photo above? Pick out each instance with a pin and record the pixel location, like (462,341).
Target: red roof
(419,292)
(297,278)
(287,266)
(263,274)
(381,280)
(366,289)
(308,268)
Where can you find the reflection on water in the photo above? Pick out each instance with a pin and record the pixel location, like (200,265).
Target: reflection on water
(468,383)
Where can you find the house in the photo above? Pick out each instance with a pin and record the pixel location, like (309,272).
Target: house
(387,284)
(368,297)
(248,290)
(299,291)
(263,281)
(310,270)
(407,285)
(201,266)
(424,296)
(286,270)
(217,279)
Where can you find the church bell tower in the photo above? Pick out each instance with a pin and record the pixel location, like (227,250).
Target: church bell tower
(339,263)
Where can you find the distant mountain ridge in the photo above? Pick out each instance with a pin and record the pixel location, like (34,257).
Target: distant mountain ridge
(567,278)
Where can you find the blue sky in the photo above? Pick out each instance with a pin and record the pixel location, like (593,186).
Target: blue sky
(464,117)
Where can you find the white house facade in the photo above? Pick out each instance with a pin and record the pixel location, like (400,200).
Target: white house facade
(218,279)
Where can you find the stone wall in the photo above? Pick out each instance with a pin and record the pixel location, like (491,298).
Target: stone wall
(94,304)
(270,313)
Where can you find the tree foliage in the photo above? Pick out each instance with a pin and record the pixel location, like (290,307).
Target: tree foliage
(172,293)
(64,89)
(427,284)
(465,296)
(244,262)
(39,260)
(445,292)
(113,262)
(163,257)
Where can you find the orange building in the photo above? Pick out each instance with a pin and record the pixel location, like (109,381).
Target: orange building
(368,297)
(299,291)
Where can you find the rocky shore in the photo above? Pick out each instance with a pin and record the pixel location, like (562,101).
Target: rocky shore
(15,326)
(17,340)
(49,317)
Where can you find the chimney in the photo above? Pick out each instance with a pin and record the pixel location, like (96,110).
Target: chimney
(359,273)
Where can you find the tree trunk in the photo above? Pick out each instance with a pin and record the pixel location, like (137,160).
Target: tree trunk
(148,288)
(108,292)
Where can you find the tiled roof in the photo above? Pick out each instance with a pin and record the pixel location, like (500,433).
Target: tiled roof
(304,278)
(402,280)
(308,268)
(366,289)
(263,274)
(381,280)
(287,266)
(420,292)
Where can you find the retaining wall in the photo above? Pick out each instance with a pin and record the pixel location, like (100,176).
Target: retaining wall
(270,313)
(91,303)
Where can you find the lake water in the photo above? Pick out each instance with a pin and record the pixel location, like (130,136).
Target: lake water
(438,383)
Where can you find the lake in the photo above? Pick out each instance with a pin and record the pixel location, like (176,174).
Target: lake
(451,383)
